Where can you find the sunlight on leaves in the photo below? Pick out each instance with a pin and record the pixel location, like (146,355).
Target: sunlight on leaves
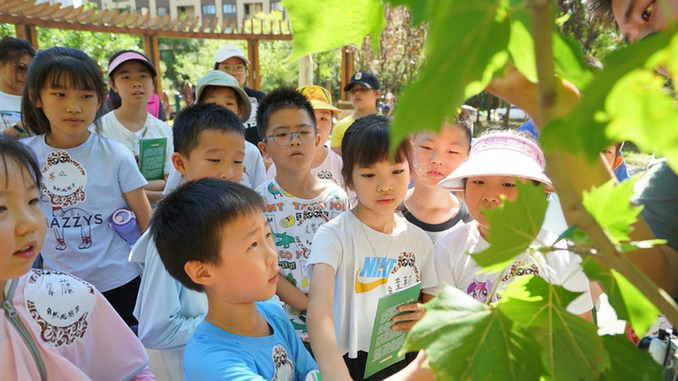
(610,205)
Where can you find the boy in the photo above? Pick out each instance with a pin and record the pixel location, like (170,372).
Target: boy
(222,89)
(213,238)
(209,142)
(364,94)
(433,209)
(496,160)
(297,203)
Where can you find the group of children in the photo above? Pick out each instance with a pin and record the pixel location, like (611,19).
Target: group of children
(224,248)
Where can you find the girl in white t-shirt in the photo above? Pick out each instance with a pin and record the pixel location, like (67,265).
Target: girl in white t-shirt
(131,75)
(15,58)
(364,255)
(86,177)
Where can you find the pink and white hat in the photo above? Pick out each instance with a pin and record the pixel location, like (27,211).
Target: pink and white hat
(128,56)
(500,154)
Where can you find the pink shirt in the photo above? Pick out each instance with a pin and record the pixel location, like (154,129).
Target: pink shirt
(65,324)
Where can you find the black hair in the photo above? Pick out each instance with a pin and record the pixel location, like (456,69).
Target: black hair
(464,120)
(366,143)
(10,148)
(601,10)
(187,224)
(193,120)
(54,67)
(278,99)
(12,49)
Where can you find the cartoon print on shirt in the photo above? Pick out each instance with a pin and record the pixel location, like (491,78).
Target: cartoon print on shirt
(287,221)
(481,290)
(404,273)
(284,369)
(311,218)
(283,240)
(325,174)
(520,268)
(76,215)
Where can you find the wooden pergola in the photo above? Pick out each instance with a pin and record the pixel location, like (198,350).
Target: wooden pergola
(26,15)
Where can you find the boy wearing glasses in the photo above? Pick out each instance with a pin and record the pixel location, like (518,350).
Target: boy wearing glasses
(297,202)
(364,94)
(232,60)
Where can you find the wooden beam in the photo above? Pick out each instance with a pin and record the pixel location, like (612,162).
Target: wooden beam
(253,53)
(28,33)
(347,69)
(153,52)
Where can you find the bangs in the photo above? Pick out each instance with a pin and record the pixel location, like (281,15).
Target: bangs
(14,152)
(373,147)
(68,74)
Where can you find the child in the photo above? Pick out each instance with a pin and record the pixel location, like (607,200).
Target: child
(433,209)
(131,76)
(213,238)
(297,203)
(326,163)
(15,58)
(86,177)
(54,325)
(357,258)
(209,141)
(496,160)
(364,94)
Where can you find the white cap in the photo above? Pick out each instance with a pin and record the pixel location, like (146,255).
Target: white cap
(229,51)
(500,155)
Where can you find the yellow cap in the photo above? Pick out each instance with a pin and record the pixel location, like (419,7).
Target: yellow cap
(320,98)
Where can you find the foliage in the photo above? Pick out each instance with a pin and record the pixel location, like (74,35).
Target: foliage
(595,39)
(7,30)
(614,216)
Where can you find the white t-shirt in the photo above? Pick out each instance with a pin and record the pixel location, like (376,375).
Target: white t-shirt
(363,275)
(294,222)
(10,110)
(82,188)
(153,128)
(329,169)
(254,172)
(458,269)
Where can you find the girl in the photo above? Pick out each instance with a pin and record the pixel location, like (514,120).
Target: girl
(86,177)
(82,337)
(358,257)
(131,76)
(15,58)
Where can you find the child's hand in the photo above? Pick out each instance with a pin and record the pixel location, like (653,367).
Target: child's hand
(406,321)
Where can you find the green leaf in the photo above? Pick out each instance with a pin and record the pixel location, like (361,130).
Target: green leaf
(417,9)
(568,54)
(573,349)
(465,339)
(513,226)
(326,25)
(625,247)
(611,207)
(521,45)
(464,36)
(628,362)
(629,303)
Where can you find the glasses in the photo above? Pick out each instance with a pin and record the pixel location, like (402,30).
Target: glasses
(282,136)
(356,90)
(233,68)
(21,68)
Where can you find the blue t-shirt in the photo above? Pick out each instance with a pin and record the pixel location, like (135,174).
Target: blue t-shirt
(214,354)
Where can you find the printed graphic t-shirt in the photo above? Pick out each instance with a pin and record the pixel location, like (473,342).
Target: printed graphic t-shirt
(369,265)
(294,222)
(214,354)
(82,188)
(329,169)
(458,269)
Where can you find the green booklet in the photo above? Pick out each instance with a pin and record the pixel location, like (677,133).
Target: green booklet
(152,158)
(386,343)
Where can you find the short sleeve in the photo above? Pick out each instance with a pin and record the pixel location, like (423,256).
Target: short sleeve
(429,278)
(567,272)
(339,131)
(443,268)
(327,248)
(168,152)
(129,176)
(220,364)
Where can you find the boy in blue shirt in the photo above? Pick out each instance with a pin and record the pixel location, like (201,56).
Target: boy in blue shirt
(213,238)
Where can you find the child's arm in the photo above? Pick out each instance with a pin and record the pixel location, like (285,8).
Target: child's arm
(321,324)
(291,295)
(414,371)
(138,203)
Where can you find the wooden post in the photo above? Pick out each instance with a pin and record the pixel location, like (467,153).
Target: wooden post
(347,69)
(253,54)
(305,70)
(28,33)
(152,51)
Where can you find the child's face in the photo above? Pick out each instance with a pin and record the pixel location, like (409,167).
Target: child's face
(225,97)
(13,75)
(133,81)
(236,68)
(22,223)
(483,192)
(248,271)
(381,187)
(610,155)
(362,98)
(297,154)
(436,156)
(218,155)
(70,111)
(324,120)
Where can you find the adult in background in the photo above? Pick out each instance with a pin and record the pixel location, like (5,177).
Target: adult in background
(15,58)
(232,60)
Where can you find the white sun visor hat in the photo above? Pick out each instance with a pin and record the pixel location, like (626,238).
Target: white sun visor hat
(229,51)
(500,155)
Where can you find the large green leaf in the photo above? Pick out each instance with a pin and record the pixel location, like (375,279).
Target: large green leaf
(521,45)
(569,61)
(325,25)
(611,207)
(629,303)
(465,339)
(464,36)
(513,226)
(629,362)
(573,349)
